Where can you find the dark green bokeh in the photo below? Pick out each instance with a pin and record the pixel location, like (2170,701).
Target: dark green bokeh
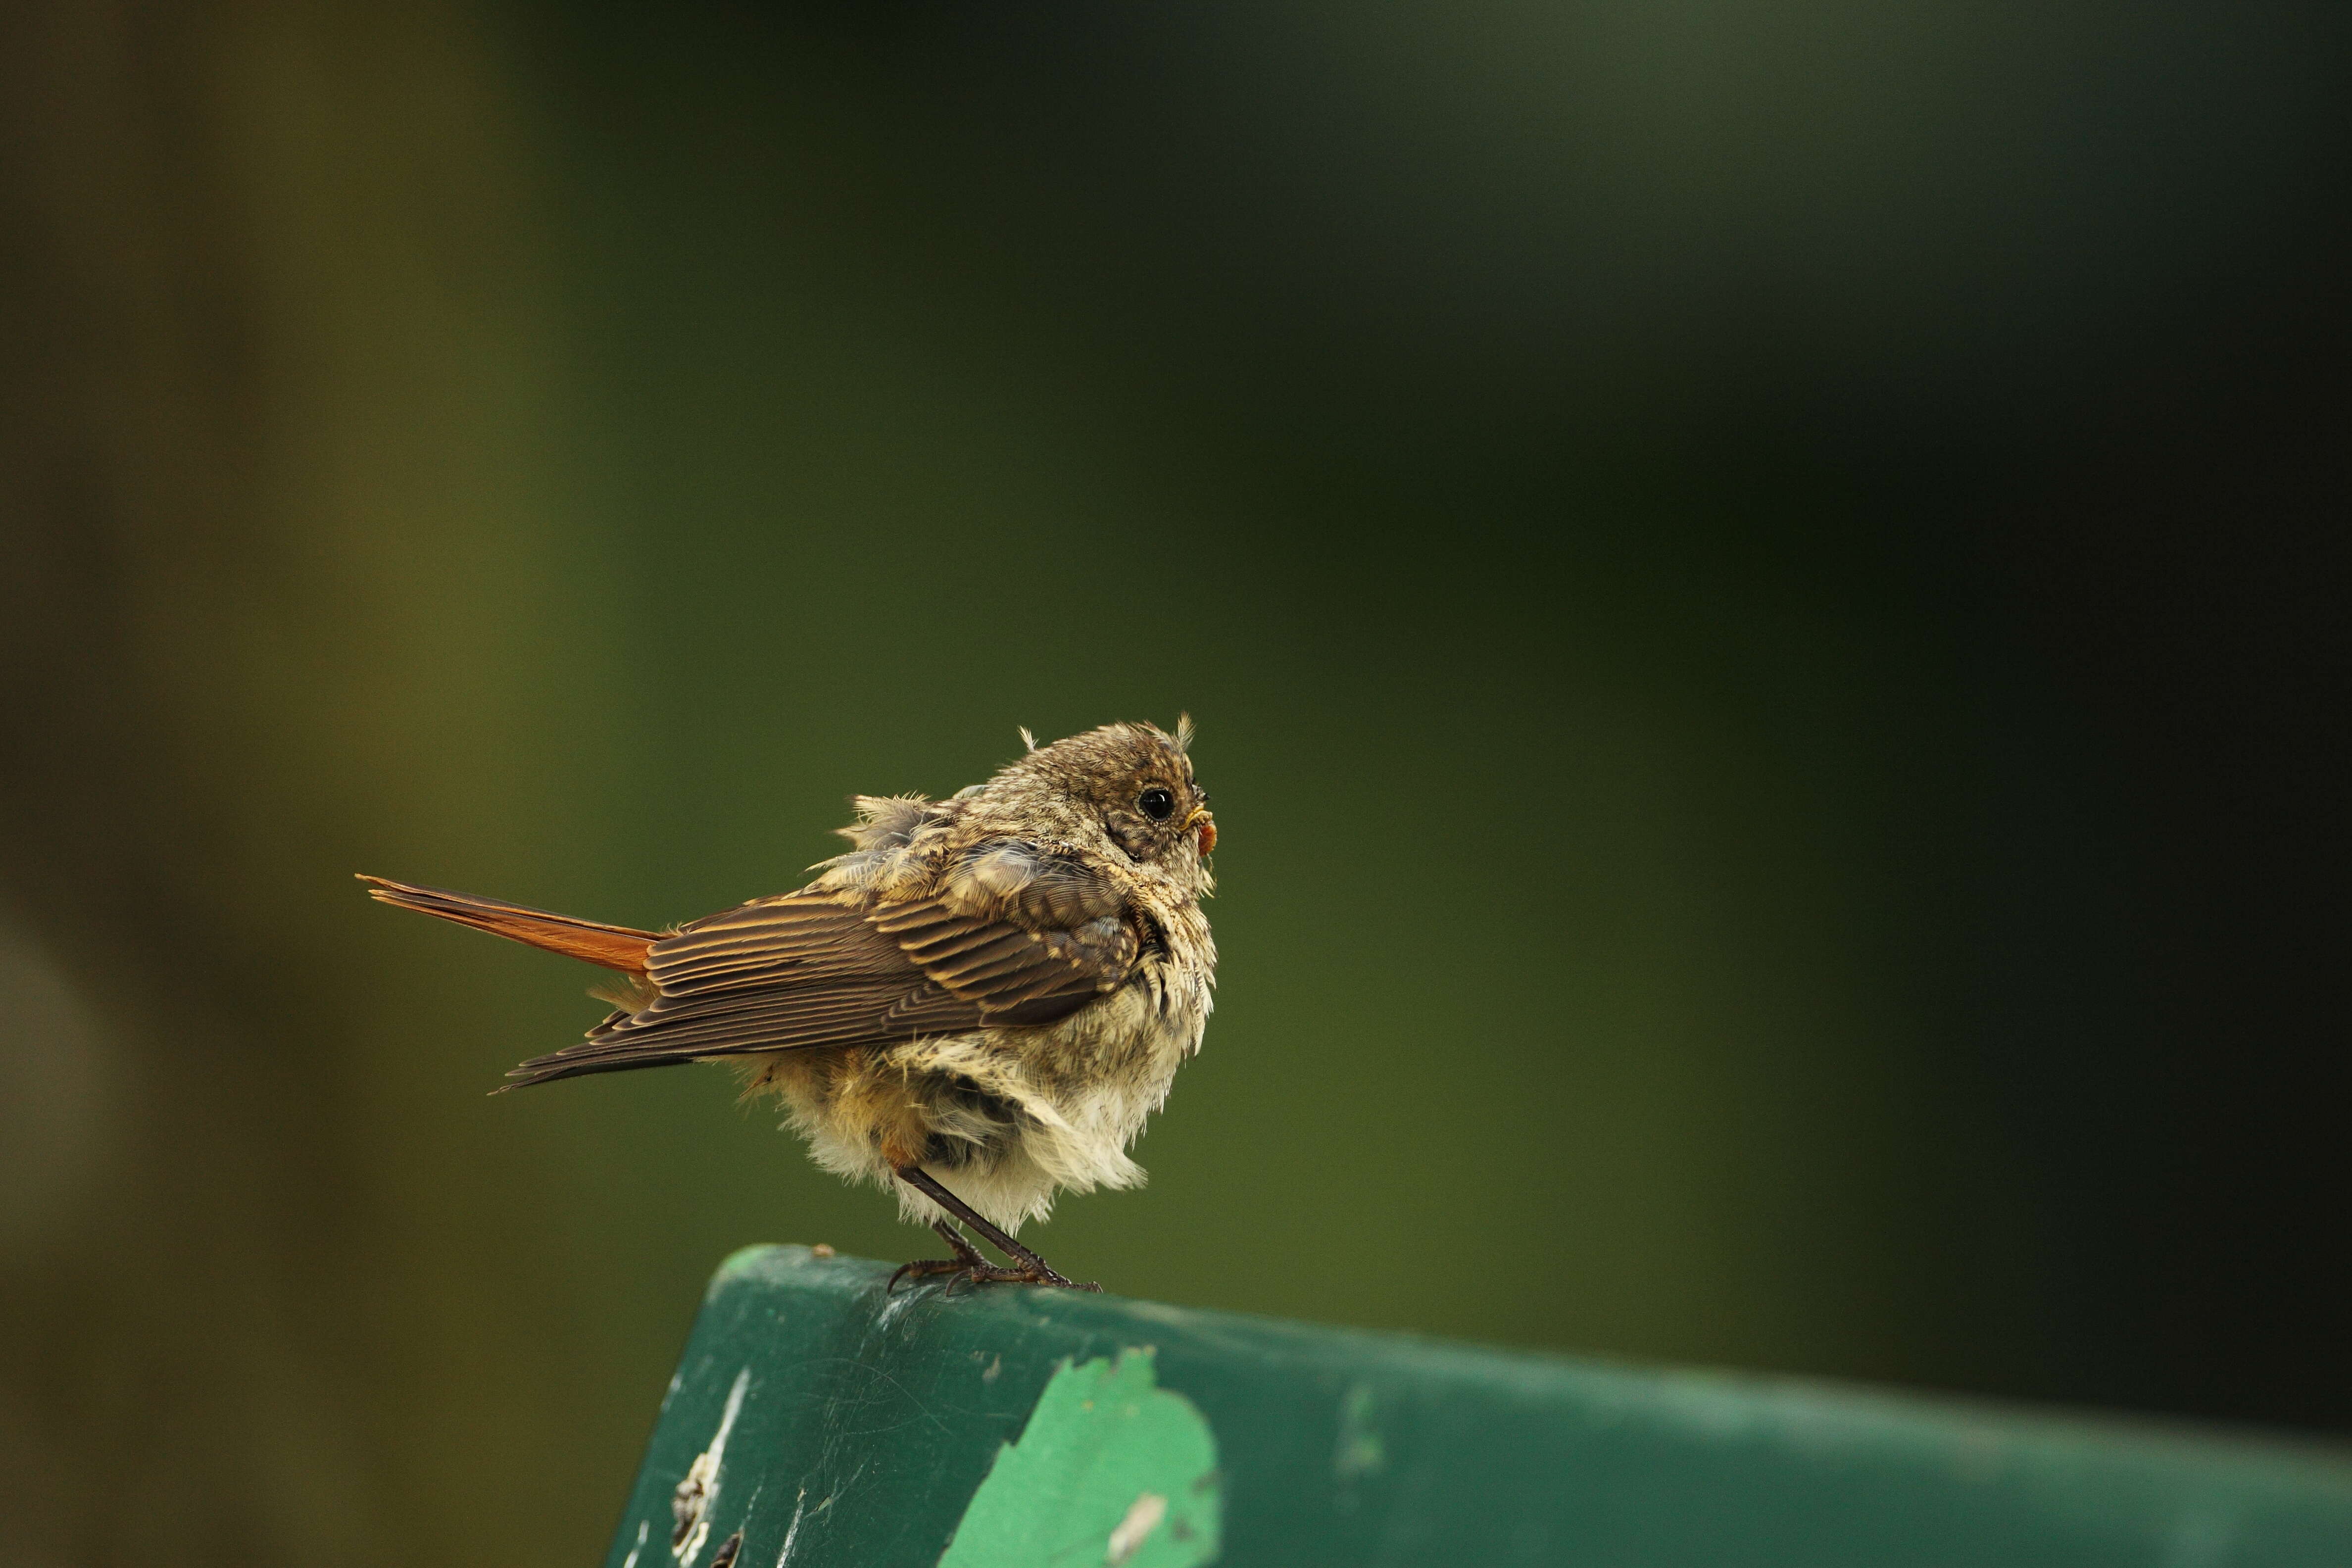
(1660,517)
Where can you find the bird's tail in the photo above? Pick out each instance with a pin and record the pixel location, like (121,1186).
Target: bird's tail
(612,947)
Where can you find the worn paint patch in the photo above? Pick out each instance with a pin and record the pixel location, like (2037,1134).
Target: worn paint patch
(1143,1517)
(1112,1469)
(1359,1451)
(690,1504)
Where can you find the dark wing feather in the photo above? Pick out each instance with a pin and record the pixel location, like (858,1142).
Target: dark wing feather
(810,969)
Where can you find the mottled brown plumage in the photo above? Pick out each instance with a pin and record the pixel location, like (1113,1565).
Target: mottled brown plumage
(978,1005)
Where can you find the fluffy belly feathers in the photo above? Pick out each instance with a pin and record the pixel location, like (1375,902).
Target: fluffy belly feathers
(1007,1117)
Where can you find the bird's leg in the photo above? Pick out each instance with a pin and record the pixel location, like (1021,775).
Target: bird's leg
(1028,1268)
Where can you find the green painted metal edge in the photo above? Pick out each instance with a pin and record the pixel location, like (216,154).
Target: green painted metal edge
(815,1421)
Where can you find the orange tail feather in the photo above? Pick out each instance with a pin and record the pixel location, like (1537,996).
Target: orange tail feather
(611,947)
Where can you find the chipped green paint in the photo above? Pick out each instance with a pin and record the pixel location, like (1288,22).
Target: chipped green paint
(1111,1469)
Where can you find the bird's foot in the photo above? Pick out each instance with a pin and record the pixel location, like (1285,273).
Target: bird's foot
(1033,1270)
(926,1267)
(1027,1267)
(978,1270)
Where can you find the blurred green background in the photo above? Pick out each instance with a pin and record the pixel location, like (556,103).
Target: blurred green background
(1763,588)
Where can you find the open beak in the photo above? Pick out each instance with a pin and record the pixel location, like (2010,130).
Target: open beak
(1207,825)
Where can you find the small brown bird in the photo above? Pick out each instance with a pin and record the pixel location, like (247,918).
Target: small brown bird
(979,1005)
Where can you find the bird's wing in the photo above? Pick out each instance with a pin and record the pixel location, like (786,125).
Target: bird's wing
(817,969)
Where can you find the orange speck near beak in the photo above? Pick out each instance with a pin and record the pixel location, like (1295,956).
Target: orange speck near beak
(1208,828)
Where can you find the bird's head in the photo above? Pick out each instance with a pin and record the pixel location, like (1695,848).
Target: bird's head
(1126,790)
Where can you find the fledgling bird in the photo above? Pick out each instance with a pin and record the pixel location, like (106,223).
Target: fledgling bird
(978,1006)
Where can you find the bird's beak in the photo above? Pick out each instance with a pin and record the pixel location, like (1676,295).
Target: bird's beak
(1208,826)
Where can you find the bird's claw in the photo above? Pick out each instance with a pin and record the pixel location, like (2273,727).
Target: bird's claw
(923,1268)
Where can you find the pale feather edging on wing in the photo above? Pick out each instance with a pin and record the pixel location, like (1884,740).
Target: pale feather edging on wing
(811,970)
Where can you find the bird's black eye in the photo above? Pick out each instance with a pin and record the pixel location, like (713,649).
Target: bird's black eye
(1156,803)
